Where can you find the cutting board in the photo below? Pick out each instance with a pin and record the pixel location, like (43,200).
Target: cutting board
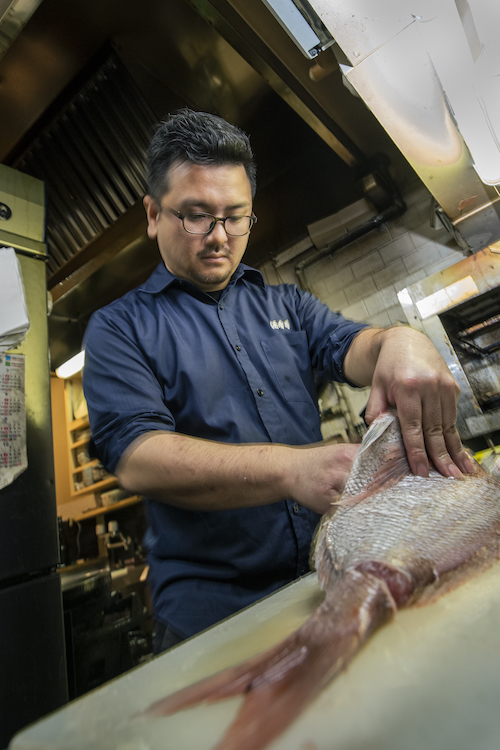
(429,679)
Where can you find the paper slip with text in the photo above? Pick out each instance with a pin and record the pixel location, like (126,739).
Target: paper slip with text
(13,454)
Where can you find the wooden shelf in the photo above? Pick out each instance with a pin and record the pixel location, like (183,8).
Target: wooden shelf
(86,502)
(79,424)
(89,465)
(92,512)
(102,485)
(79,443)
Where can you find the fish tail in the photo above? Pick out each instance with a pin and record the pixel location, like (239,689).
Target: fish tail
(278,684)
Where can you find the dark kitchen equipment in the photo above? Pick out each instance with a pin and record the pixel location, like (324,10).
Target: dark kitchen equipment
(32,662)
(100,627)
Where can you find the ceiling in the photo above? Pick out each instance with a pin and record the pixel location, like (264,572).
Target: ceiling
(313,141)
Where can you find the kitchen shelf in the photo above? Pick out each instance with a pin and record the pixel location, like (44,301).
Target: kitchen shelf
(79,443)
(89,465)
(79,424)
(102,485)
(109,508)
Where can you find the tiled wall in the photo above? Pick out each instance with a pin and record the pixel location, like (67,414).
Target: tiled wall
(362,279)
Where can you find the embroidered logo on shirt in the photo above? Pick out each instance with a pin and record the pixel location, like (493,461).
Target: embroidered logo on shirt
(277,324)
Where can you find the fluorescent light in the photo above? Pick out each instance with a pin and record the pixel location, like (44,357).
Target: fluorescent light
(72,366)
(309,40)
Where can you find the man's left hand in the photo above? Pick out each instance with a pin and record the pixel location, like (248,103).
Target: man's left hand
(411,375)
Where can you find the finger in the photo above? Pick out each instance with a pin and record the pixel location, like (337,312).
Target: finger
(457,452)
(410,419)
(451,436)
(377,404)
(438,450)
(438,421)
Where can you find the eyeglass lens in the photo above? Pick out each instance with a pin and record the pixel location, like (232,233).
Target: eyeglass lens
(204,223)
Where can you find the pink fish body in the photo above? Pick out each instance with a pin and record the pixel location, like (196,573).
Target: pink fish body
(393,540)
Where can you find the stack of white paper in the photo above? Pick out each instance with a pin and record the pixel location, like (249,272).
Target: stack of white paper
(14,319)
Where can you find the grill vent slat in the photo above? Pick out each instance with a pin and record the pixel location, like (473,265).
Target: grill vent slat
(91,158)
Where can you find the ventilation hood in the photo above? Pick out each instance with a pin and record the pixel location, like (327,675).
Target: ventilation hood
(429,70)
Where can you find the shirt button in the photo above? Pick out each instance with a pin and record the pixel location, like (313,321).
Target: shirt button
(238,348)
(221,307)
(260,392)
(296,509)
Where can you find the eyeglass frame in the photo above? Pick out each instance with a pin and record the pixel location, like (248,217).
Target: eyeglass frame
(181,216)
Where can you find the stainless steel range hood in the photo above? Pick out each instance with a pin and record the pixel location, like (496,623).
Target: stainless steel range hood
(429,71)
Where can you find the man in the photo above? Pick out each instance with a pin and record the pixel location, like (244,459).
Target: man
(201,391)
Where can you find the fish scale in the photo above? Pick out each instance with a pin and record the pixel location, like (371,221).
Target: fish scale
(394,539)
(430,524)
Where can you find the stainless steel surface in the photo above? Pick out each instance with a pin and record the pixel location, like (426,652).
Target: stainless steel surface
(387,58)
(85,579)
(32,658)
(428,679)
(91,158)
(441,305)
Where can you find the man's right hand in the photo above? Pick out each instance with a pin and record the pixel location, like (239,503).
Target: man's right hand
(320,473)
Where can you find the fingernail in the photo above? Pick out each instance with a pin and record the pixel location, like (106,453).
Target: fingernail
(422,470)
(469,465)
(454,471)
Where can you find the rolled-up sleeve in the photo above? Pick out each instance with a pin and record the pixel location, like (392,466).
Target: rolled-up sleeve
(124,397)
(330,335)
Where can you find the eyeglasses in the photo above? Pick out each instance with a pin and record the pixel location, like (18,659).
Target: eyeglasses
(202,223)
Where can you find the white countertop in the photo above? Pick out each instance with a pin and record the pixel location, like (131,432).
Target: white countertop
(429,679)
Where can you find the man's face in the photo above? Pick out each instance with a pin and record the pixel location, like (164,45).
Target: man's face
(206,260)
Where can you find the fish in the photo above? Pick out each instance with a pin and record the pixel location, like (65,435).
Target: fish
(393,540)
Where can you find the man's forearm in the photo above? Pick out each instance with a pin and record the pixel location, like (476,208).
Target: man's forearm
(200,474)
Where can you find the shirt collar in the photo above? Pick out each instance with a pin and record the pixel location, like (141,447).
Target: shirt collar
(161,278)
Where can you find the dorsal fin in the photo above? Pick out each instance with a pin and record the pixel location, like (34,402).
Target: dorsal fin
(381,461)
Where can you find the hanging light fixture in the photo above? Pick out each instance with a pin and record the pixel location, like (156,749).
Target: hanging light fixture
(71,366)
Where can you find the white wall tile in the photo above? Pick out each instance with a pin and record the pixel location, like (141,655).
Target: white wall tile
(339,279)
(347,255)
(360,290)
(397,249)
(390,274)
(381,320)
(367,266)
(357,312)
(335,301)
(381,300)
(424,257)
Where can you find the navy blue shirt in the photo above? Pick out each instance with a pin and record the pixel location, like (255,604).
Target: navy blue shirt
(243,369)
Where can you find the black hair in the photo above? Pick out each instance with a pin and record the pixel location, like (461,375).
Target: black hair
(200,138)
